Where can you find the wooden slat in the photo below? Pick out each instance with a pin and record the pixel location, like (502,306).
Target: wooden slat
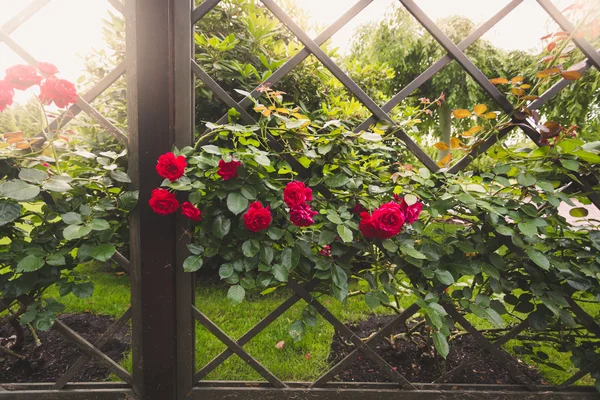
(101,341)
(237,349)
(92,351)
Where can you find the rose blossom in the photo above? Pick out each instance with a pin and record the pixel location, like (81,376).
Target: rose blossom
(46,68)
(22,77)
(228,170)
(385,222)
(358,208)
(59,91)
(171,167)
(302,215)
(6,95)
(191,211)
(257,217)
(296,193)
(163,202)
(412,212)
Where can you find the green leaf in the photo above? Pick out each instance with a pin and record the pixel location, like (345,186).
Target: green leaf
(441,344)
(98,224)
(9,211)
(529,228)
(30,263)
(572,165)
(83,290)
(128,200)
(72,218)
(280,272)
(297,330)
(444,277)
(33,175)
(262,159)
(372,300)
(236,294)
(339,277)
(504,230)
(390,246)
(526,180)
(266,254)
(192,264)
(19,190)
(493,317)
(103,252)
(120,176)
(226,270)
(409,250)
(221,226)
(250,248)
(236,203)
(56,260)
(248,192)
(539,258)
(73,232)
(211,149)
(326,237)
(337,180)
(578,212)
(59,184)
(345,233)
(275,233)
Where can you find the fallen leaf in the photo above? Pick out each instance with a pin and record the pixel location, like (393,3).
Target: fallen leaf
(280,345)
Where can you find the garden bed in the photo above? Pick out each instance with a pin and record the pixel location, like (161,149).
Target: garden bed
(416,361)
(49,361)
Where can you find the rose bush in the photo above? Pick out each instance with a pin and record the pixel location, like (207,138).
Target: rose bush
(349,209)
(63,201)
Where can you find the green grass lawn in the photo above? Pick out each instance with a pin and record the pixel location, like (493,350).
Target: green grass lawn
(297,361)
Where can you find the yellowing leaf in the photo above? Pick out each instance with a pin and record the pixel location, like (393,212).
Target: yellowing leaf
(473,130)
(491,115)
(445,161)
(480,109)
(272,108)
(525,86)
(461,113)
(11,135)
(531,97)
(571,75)
(518,91)
(455,143)
(517,79)
(22,146)
(299,116)
(266,113)
(441,146)
(259,107)
(283,111)
(499,81)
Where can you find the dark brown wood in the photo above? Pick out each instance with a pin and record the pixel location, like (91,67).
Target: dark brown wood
(347,332)
(486,344)
(237,349)
(102,340)
(184,136)
(150,103)
(91,351)
(249,393)
(87,394)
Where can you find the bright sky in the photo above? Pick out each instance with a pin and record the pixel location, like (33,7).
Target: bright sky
(64,30)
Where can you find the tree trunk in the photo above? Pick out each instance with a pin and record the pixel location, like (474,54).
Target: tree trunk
(445,129)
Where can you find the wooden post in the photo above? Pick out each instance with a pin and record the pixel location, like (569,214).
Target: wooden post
(150,102)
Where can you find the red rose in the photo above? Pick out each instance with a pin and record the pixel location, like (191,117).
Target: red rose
(163,202)
(411,213)
(6,95)
(385,222)
(22,76)
(59,91)
(171,167)
(46,68)
(302,215)
(296,193)
(257,217)
(228,170)
(191,211)
(366,225)
(358,209)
